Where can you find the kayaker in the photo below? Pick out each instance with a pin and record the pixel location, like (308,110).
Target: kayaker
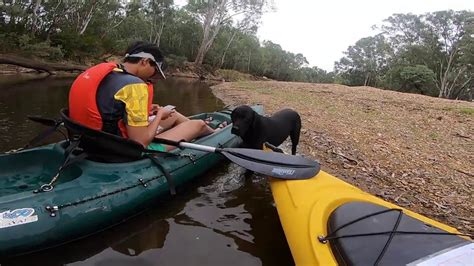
(117,98)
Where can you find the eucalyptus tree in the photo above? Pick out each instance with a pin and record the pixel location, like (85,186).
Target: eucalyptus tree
(214,14)
(449,27)
(366,61)
(437,40)
(158,14)
(182,36)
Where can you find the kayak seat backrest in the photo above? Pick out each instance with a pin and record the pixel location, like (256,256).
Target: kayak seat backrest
(102,146)
(364,250)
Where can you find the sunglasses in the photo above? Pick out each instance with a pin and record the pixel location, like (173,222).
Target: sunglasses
(158,67)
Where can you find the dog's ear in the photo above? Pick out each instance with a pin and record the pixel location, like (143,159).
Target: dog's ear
(253,118)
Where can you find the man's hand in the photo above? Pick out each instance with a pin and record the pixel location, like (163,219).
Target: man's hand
(154,109)
(165,113)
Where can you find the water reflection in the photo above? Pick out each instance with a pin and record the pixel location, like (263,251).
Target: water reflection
(239,206)
(188,95)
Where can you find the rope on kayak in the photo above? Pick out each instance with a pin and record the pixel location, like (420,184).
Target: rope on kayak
(328,237)
(392,233)
(395,227)
(141,182)
(324,240)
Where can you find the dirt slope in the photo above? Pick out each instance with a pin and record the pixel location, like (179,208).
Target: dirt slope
(413,150)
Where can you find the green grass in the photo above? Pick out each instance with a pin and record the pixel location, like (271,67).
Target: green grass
(462,110)
(467,110)
(232,75)
(247,85)
(434,135)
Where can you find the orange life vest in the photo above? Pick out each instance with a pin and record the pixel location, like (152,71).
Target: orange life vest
(82,97)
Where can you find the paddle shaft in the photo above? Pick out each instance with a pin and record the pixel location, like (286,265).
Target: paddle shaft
(188,145)
(197,147)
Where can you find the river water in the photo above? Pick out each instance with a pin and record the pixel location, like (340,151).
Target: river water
(223,218)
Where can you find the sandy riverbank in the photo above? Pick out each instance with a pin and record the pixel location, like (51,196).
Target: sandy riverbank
(413,150)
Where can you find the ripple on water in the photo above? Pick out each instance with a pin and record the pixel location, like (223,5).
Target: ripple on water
(209,209)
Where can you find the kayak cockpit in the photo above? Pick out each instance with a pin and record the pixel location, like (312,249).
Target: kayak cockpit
(28,170)
(385,236)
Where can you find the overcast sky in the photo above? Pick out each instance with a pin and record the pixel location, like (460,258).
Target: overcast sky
(322,30)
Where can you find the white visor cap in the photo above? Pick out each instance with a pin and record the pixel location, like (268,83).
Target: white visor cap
(152,58)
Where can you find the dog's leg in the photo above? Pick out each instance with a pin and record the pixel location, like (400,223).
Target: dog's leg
(295,137)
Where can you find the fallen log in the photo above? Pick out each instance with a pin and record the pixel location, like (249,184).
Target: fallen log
(39,66)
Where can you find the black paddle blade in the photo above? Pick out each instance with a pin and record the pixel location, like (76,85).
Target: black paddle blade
(273,164)
(44,121)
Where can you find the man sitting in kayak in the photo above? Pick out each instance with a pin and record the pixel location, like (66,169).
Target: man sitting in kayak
(117,98)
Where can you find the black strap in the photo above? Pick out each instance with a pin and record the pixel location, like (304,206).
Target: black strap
(111,126)
(72,160)
(68,160)
(42,135)
(167,174)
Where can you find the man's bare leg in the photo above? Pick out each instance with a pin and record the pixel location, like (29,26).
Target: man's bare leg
(187,131)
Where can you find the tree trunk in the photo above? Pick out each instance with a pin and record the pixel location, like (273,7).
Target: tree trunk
(248,65)
(367,77)
(443,88)
(55,17)
(209,32)
(159,33)
(87,19)
(227,48)
(34,26)
(39,66)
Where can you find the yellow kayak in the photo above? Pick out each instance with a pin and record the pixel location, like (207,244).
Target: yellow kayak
(329,222)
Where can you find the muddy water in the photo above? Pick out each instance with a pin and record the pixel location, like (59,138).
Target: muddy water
(223,218)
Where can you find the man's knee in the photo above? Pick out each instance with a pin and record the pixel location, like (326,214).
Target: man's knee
(199,123)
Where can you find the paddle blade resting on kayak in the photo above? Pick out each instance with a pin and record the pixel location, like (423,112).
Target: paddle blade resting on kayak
(276,165)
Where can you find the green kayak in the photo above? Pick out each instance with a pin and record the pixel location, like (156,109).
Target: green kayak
(89,196)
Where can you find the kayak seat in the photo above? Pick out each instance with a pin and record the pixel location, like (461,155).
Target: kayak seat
(105,147)
(365,250)
(102,146)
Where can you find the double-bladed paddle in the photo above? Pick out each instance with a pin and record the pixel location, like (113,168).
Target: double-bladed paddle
(273,164)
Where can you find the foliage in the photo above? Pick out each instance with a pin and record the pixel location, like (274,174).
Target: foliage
(81,30)
(175,61)
(232,75)
(417,78)
(215,14)
(430,54)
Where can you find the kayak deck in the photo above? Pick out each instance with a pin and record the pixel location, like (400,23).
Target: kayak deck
(306,207)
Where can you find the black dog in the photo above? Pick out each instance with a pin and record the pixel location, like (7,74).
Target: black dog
(255,129)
